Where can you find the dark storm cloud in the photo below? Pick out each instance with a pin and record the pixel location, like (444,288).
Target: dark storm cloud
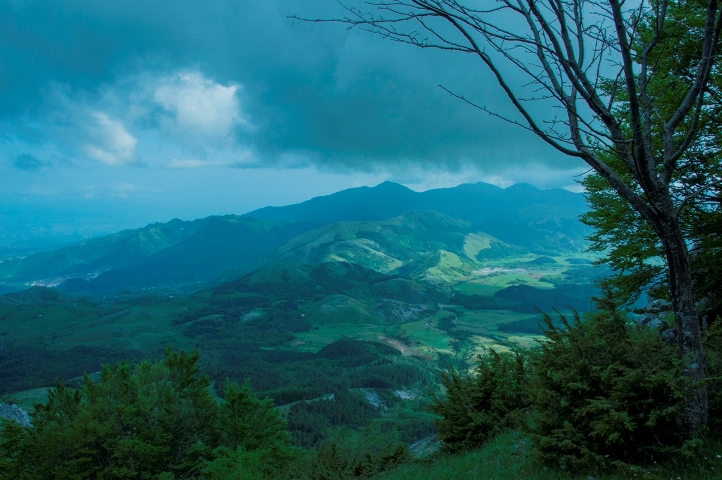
(318,92)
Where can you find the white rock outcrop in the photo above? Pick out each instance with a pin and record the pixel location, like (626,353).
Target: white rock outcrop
(11,411)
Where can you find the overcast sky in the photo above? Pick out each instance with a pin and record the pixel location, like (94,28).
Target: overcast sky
(118,113)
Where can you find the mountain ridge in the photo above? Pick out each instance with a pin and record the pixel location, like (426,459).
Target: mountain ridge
(462,201)
(192,252)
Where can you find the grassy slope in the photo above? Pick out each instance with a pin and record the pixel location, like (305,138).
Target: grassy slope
(510,457)
(417,243)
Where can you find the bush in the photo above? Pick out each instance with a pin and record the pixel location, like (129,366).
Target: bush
(475,408)
(598,391)
(159,419)
(364,453)
(605,390)
(329,464)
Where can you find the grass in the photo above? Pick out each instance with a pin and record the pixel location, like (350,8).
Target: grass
(486,322)
(505,457)
(476,242)
(451,268)
(27,399)
(511,456)
(426,333)
(337,316)
(476,288)
(323,334)
(507,279)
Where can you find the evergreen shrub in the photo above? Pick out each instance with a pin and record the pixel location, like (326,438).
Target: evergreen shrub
(599,391)
(475,408)
(605,390)
(334,463)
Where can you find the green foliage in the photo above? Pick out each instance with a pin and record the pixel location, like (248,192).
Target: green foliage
(23,367)
(309,422)
(525,325)
(627,243)
(605,390)
(530,299)
(598,392)
(354,353)
(363,454)
(482,302)
(476,408)
(235,464)
(713,351)
(246,422)
(158,418)
(11,449)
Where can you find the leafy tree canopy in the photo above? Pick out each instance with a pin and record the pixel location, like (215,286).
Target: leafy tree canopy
(628,243)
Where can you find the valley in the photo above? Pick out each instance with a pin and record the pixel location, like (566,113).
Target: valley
(345,325)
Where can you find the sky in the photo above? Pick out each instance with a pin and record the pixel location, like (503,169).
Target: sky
(118,114)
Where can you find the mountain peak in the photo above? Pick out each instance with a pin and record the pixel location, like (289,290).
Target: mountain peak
(388,185)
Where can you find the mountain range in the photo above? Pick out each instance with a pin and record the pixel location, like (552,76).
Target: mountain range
(384,228)
(476,203)
(360,297)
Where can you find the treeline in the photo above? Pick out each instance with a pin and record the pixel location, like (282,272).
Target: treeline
(304,379)
(24,367)
(526,299)
(600,393)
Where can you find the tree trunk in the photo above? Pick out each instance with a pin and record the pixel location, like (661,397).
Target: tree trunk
(689,335)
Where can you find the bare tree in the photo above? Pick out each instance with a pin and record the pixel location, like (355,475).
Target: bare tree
(594,62)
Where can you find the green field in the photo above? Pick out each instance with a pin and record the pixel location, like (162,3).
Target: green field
(326,333)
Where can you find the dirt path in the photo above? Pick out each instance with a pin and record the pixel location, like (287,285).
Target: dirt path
(404,349)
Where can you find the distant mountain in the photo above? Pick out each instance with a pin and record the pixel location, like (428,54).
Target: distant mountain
(543,221)
(99,254)
(33,297)
(476,203)
(222,244)
(159,254)
(385,228)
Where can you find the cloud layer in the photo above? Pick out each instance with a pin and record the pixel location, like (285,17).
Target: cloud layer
(97,94)
(201,74)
